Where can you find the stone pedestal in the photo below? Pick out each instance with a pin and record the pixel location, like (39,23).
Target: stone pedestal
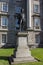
(23,53)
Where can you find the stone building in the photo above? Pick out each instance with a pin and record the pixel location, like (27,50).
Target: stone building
(9,23)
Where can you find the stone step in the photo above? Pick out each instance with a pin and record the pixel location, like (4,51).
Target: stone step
(24,59)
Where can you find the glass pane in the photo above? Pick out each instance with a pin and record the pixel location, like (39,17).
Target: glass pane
(5,7)
(3,38)
(4,21)
(17,24)
(37,37)
(36,8)
(37,22)
(17,9)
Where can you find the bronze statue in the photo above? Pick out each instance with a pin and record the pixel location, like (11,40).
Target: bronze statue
(21,20)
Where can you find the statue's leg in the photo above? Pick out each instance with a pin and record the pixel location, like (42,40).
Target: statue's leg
(24,25)
(21,25)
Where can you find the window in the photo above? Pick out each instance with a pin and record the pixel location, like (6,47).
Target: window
(4,21)
(4,38)
(17,9)
(36,22)
(5,7)
(17,23)
(37,37)
(36,8)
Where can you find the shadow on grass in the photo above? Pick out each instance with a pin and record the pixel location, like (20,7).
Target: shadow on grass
(9,59)
(38,60)
(6,58)
(3,58)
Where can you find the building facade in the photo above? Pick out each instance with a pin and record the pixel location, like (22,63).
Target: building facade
(9,23)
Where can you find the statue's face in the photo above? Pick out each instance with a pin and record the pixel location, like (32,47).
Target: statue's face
(22,10)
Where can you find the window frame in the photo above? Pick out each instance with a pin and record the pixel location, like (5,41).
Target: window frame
(37,38)
(3,5)
(2,21)
(17,26)
(35,22)
(2,39)
(18,9)
(34,10)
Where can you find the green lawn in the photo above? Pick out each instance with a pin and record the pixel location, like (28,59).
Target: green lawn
(4,62)
(37,53)
(3,54)
(6,52)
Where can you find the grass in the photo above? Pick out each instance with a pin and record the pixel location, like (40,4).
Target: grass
(6,52)
(4,62)
(37,53)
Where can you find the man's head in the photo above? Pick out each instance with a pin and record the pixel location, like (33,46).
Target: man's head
(22,10)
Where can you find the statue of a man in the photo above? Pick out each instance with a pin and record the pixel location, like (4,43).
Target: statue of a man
(22,21)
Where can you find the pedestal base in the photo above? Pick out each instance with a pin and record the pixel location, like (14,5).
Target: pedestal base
(23,53)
